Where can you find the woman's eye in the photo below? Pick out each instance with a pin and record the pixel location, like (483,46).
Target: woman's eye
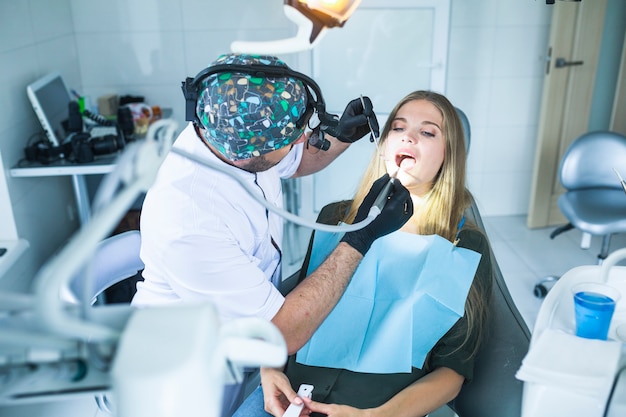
(429,134)
(397,129)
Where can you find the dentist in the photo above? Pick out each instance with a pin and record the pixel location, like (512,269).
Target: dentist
(206,239)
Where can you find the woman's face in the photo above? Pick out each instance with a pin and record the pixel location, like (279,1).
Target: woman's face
(415,146)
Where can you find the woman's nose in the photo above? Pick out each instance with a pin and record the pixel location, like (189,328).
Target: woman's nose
(408,137)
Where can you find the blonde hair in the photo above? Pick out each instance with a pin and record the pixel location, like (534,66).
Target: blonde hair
(444,206)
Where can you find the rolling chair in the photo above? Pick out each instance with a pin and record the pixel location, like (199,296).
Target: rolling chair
(494,391)
(594,201)
(116,259)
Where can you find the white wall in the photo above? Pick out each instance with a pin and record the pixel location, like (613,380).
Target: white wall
(495,74)
(36,36)
(495,68)
(147,47)
(496,61)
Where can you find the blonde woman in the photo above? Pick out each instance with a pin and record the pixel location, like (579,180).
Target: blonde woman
(422,146)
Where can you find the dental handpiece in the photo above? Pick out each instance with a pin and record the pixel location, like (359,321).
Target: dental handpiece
(381,199)
(373,137)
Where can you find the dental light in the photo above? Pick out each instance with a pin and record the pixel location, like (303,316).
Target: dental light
(313,17)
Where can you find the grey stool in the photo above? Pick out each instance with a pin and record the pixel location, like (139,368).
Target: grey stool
(594,201)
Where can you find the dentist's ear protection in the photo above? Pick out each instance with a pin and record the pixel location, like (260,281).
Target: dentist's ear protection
(248,108)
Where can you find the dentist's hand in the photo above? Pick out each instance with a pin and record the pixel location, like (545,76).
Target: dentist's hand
(277,391)
(355,121)
(395,213)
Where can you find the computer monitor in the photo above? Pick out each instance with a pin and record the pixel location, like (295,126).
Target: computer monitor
(50,100)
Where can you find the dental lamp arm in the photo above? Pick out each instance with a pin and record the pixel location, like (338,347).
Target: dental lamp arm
(312,18)
(137,167)
(301,42)
(41,343)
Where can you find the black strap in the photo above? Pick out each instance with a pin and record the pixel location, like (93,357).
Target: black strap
(331,213)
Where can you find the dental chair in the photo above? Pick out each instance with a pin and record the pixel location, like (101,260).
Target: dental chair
(594,201)
(494,391)
(466,128)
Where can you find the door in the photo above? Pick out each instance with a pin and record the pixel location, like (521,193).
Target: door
(618,119)
(571,63)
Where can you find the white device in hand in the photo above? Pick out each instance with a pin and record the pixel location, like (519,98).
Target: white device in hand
(304,391)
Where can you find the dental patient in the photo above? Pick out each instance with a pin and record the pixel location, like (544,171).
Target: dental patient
(403,339)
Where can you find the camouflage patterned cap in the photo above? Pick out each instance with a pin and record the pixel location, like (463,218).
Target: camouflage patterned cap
(244,115)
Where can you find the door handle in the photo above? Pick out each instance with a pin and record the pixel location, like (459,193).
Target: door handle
(561,62)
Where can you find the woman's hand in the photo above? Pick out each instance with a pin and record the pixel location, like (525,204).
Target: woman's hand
(335,410)
(277,392)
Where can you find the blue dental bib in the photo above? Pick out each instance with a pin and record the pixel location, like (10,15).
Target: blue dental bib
(407,292)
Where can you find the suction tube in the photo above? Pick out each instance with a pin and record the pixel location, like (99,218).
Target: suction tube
(374,211)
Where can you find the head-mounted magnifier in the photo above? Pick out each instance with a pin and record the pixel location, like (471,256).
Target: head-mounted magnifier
(250,109)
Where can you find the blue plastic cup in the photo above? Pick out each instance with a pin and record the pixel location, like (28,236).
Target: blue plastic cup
(594,305)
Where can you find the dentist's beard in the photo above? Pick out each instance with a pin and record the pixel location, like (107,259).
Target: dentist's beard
(255,164)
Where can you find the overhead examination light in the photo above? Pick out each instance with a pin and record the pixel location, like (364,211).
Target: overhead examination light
(313,17)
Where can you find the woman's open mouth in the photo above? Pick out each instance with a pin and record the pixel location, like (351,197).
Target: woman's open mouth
(405,160)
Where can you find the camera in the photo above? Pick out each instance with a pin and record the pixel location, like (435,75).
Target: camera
(85,148)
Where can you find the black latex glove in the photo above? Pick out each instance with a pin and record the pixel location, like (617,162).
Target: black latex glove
(396,212)
(353,124)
